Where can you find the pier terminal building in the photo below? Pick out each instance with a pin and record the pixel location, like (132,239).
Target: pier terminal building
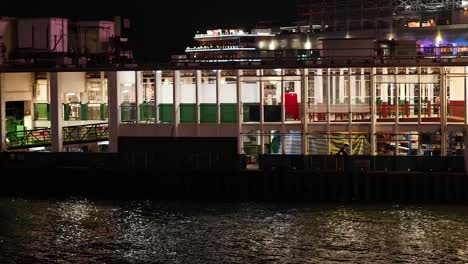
(300,90)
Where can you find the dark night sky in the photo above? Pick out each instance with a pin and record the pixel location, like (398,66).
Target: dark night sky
(163,28)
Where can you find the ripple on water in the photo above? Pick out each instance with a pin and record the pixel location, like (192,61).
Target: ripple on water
(81,231)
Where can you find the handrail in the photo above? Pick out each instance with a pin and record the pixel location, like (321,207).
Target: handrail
(71,135)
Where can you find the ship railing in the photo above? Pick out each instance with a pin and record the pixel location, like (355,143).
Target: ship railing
(85,134)
(41,137)
(28,138)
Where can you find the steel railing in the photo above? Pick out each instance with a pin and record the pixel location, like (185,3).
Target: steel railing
(71,135)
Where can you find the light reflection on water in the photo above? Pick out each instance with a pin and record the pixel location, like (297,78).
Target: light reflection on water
(81,231)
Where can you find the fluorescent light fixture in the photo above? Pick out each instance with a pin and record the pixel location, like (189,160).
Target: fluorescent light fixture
(272,45)
(100,143)
(70,94)
(278,70)
(37,149)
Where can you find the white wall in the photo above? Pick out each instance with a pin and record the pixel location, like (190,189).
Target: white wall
(208,93)
(17,86)
(228,93)
(188,94)
(457,88)
(165,94)
(126,79)
(72,82)
(250,92)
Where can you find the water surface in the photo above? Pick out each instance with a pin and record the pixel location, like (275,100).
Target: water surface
(81,231)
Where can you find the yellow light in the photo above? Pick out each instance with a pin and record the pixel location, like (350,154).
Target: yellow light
(308,45)
(439,39)
(272,46)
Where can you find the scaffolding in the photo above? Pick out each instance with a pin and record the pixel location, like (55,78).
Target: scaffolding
(340,15)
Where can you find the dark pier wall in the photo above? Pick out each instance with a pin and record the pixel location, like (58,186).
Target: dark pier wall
(208,169)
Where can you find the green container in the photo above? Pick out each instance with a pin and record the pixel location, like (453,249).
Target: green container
(166,113)
(11,124)
(84,112)
(146,112)
(208,113)
(229,113)
(66,112)
(103,112)
(41,111)
(128,112)
(251,112)
(188,113)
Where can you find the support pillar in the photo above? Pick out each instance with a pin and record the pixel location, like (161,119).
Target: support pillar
(304,93)
(137,99)
(157,89)
(283,115)
(443,105)
(465,138)
(3,145)
(262,131)
(56,113)
(240,139)
(373,120)
(218,101)
(113,102)
(176,102)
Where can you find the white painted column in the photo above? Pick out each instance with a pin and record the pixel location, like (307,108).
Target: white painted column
(103,87)
(351,90)
(373,139)
(2,114)
(443,104)
(305,95)
(262,131)
(137,98)
(198,85)
(157,89)
(329,95)
(341,87)
(466,96)
(239,111)
(319,86)
(362,84)
(56,119)
(113,104)
(384,85)
(176,102)
(218,101)
(283,115)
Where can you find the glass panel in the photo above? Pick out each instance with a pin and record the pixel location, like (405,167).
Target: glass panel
(386,95)
(456,87)
(317,96)
(250,96)
(251,148)
(360,92)
(292,98)
(146,97)
(207,92)
(128,107)
(339,95)
(165,97)
(456,144)
(228,96)
(272,99)
(188,100)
